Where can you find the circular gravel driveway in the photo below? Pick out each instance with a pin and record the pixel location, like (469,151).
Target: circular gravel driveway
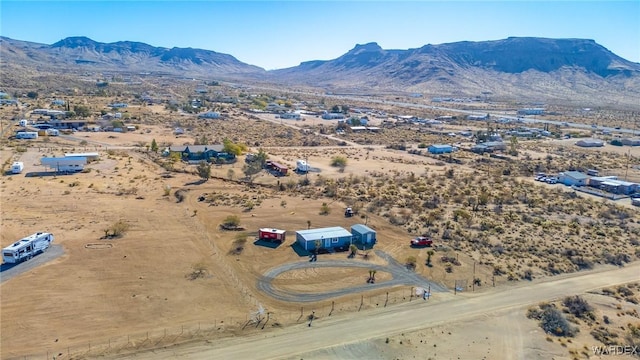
(399,273)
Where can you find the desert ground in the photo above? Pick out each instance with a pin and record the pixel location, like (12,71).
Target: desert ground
(174,276)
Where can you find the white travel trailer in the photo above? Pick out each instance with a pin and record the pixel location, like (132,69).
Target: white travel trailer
(26,248)
(27,135)
(17,167)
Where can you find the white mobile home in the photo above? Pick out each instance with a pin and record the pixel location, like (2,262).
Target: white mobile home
(27,135)
(26,248)
(64,164)
(17,167)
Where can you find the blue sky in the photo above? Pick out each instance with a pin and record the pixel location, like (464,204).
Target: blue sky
(279,34)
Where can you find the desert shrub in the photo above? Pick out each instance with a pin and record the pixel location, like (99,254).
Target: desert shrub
(339,161)
(553,322)
(117,229)
(180,195)
(624,291)
(604,335)
(238,244)
(410,263)
(618,259)
(231,222)
(578,307)
(324,209)
(199,270)
(581,262)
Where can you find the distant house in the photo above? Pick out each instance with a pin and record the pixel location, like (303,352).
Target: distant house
(363,235)
(324,238)
(202,152)
(631,142)
(332,116)
(489,146)
(478,117)
(209,115)
(613,185)
(118,105)
(291,115)
(58,102)
(573,178)
(531,111)
(440,149)
(590,143)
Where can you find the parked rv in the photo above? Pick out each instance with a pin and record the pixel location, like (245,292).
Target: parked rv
(27,135)
(17,167)
(26,248)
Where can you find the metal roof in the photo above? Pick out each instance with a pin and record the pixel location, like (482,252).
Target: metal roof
(576,175)
(197,148)
(322,233)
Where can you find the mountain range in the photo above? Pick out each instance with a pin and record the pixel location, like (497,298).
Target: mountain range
(516,67)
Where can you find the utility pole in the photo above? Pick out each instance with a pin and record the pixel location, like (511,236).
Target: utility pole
(626,172)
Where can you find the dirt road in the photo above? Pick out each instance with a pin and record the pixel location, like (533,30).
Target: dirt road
(338,332)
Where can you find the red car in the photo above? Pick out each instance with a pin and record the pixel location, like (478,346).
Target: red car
(421,241)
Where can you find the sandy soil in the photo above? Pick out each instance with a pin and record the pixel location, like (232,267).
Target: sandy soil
(142,282)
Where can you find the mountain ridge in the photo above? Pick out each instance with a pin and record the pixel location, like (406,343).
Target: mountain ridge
(515,66)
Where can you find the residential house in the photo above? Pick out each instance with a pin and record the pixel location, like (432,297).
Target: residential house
(194,153)
(324,238)
(209,115)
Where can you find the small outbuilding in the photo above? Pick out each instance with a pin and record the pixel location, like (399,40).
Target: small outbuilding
(573,178)
(363,235)
(324,238)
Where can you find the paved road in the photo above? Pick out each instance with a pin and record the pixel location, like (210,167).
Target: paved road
(335,332)
(400,276)
(9,271)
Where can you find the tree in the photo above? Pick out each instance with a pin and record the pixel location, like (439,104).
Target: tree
(261,157)
(230,174)
(154,145)
(232,148)
(81,111)
(513,146)
(204,170)
(32,95)
(429,255)
(251,169)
